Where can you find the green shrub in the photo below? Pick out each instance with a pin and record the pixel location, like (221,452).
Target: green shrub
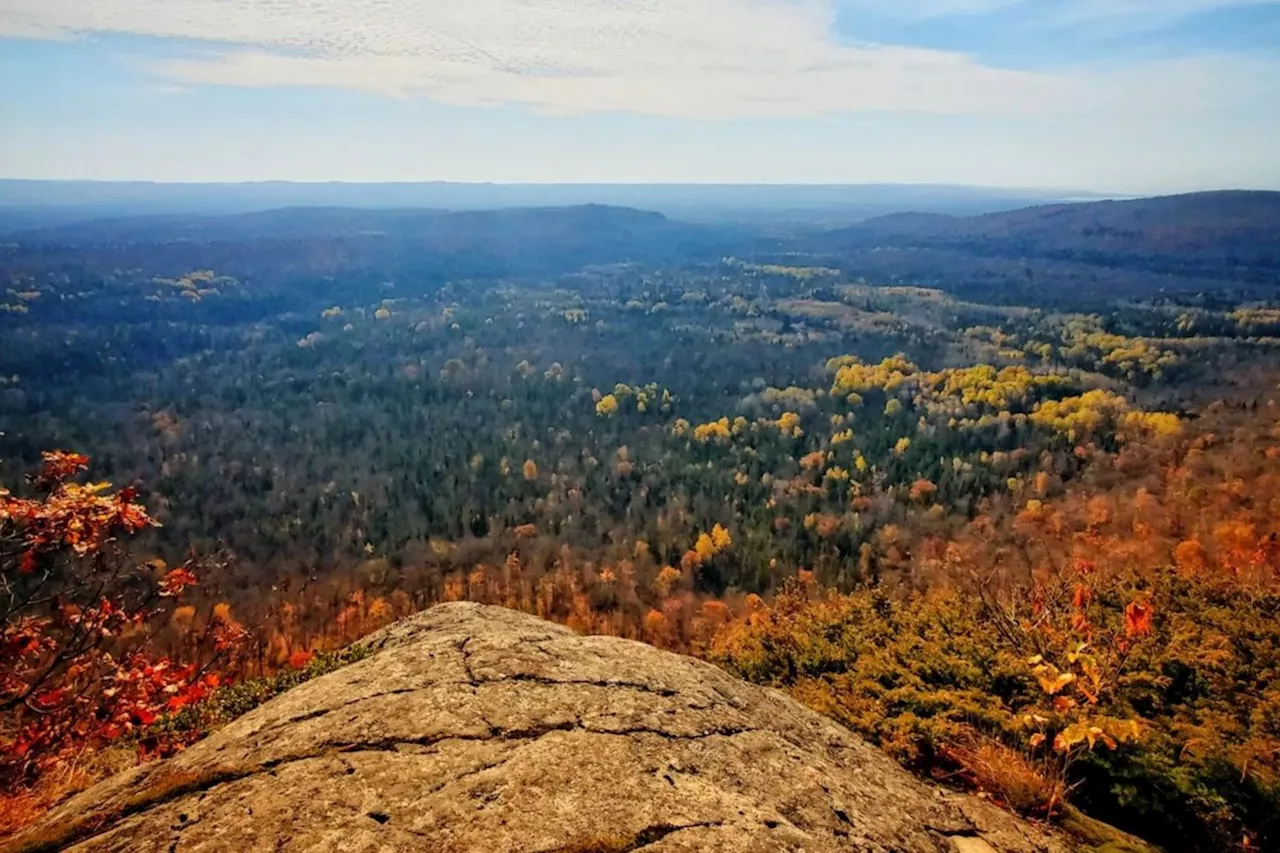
(1163,720)
(234,700)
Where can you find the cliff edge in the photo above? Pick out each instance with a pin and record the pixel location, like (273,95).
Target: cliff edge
(475,728)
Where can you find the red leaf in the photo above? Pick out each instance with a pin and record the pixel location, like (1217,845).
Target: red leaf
(1137,619)
(48,699)
(176,580)
(300,659)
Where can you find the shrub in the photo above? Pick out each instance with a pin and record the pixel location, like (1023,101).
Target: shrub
(1151,697)
(74,609)
(225,704)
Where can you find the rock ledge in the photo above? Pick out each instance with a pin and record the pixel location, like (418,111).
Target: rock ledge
(475,728)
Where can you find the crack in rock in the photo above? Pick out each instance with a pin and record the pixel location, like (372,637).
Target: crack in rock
(646,837)
(534,678)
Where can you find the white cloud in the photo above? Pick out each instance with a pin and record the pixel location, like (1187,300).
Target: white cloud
(924,10)
(687,58)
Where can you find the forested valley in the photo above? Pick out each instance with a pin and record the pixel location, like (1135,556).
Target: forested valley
(999,493)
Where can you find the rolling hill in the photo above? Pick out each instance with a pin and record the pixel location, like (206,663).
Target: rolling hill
(1196,222)
(1210,242)
(518,241)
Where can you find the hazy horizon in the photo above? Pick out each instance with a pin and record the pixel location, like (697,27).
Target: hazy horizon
(25,204)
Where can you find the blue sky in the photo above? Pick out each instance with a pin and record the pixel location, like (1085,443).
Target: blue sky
(1108,95)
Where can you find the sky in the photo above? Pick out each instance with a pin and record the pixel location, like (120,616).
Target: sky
(1132,96)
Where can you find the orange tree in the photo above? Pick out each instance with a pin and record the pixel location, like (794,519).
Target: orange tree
(75,615)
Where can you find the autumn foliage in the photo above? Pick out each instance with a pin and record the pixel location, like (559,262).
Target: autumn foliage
(76,670)
(1108,642)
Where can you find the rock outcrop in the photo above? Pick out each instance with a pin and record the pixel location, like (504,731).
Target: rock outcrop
(479,729)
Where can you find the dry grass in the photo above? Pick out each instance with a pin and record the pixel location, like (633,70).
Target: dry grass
(19,809)
(156,789)
(1008,775)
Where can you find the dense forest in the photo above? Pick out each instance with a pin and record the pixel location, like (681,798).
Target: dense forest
(998,492)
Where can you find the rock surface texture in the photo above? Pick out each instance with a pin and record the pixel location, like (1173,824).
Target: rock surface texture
(479,729)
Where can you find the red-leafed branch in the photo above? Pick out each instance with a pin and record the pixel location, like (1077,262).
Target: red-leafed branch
(74,615)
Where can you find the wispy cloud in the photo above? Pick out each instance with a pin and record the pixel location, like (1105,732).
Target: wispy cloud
(687,58)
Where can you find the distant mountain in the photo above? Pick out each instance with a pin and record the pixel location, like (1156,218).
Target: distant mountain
(431,226)
(1199,242)
(1216,222)
(29,204)
(520,241)
(1223,243)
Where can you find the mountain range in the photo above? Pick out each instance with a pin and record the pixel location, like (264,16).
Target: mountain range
(1141,248)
